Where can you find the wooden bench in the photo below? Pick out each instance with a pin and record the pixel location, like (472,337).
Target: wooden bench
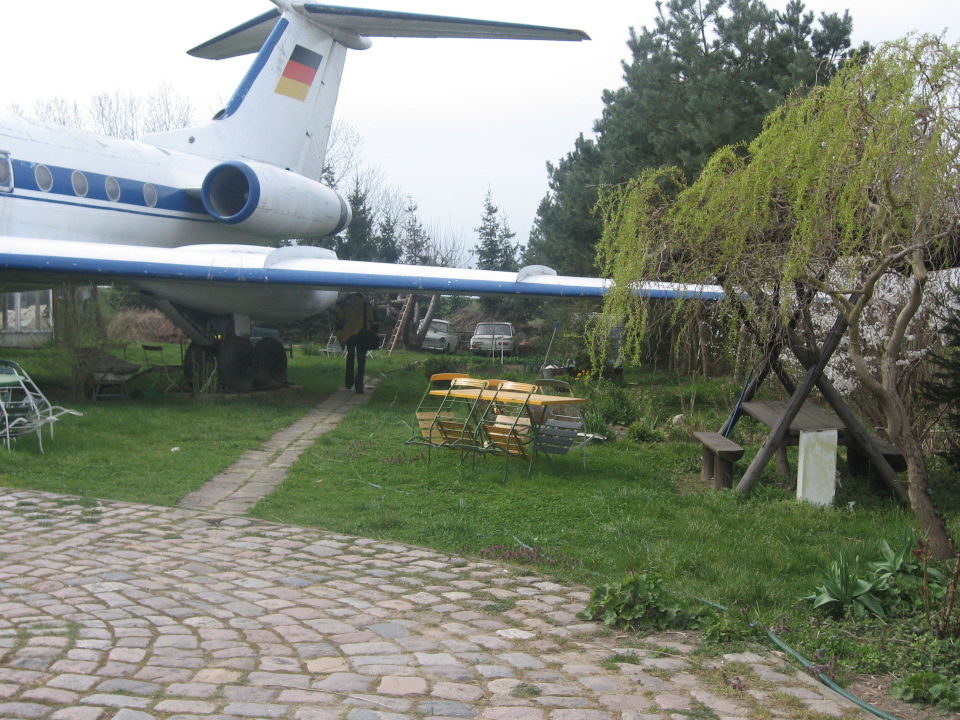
(719,455)
(859,464)
(812,417)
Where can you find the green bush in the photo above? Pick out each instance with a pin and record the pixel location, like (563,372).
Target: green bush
(438,364)
(608,399)
(843,591)
(718,627)
(929,688)
(594,423)
(637,603)
(642,431)
(900,583)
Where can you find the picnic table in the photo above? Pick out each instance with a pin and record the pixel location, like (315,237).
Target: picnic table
(810,418)
(814,419)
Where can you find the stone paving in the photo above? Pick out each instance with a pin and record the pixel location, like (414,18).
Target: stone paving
(258,472)
(116,611)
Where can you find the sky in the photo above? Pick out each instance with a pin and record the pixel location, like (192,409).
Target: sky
(445,121)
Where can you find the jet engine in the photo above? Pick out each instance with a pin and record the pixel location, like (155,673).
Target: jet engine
(272,202)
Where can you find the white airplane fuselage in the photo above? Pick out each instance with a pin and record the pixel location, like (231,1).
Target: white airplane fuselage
(76,187)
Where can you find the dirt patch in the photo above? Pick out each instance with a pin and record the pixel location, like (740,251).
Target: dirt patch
(875,690)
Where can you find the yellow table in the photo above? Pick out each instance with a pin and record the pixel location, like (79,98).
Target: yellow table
(517,398)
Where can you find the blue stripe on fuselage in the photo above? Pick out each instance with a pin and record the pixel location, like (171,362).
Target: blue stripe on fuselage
(131,191)
(113,207)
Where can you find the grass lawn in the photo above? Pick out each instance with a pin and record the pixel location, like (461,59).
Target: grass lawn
(634,506)
(151,449)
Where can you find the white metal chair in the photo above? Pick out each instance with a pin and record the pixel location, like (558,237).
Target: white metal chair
(168,375)
(333,346)
(24,409)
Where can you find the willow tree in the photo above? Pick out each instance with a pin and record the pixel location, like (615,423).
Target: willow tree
(847,192)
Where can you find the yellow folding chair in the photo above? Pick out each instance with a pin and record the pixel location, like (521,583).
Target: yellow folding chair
(506,426)
(458,419)
(425,431)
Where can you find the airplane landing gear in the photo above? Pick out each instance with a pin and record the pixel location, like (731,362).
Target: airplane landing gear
(236,364)
(221,356)
(200,368)
(270,363)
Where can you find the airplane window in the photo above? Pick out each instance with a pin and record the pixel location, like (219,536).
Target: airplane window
(6,173)
(80,184)
(149,195)
(112,187)
(43,177)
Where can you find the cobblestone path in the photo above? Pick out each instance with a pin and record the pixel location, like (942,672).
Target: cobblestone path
(116,611)
(258,472)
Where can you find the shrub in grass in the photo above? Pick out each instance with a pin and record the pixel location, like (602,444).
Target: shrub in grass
(594,423)
(643,431)
(637,603)
(843,590)
(719,627)
(438,364)
(610,400)
(900,583)
(929,688)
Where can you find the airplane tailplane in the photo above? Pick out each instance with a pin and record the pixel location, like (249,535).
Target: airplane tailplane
(282,111)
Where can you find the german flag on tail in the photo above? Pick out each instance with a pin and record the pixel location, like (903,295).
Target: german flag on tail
(299,73)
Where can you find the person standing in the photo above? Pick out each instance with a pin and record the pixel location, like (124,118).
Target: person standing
(356,330)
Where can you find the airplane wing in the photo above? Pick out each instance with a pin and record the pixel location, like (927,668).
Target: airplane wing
(48,262)
(382,23)
(250,36)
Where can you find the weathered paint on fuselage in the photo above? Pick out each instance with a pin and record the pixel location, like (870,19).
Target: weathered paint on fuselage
(176,218)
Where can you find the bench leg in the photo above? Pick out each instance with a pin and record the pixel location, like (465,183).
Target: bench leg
(857,463)
(706,468)
(783,464)
(723,479)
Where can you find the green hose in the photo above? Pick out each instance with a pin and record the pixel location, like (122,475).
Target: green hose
(816,673)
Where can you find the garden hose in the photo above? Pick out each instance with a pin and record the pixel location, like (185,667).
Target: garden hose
(816,673)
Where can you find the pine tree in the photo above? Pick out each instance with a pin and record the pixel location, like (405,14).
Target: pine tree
(387,241)
(415,241)
(703,77)
(356,242)
(494,250)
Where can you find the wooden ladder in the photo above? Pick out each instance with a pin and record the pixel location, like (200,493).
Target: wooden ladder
(398,328)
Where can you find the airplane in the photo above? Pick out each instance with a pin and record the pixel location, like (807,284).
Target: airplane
(194,217)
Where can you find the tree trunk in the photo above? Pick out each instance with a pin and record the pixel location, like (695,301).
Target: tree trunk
(703,339)
(410,327)
(425,323)
(931,522)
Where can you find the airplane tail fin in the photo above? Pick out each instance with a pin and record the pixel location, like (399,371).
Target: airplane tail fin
(282,111)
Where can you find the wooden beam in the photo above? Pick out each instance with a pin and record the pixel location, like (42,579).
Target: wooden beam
(859,436)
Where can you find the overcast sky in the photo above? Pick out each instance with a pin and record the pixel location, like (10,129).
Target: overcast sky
(443,119)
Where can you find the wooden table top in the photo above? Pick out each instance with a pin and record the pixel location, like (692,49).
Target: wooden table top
(517,398)
(810,417)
